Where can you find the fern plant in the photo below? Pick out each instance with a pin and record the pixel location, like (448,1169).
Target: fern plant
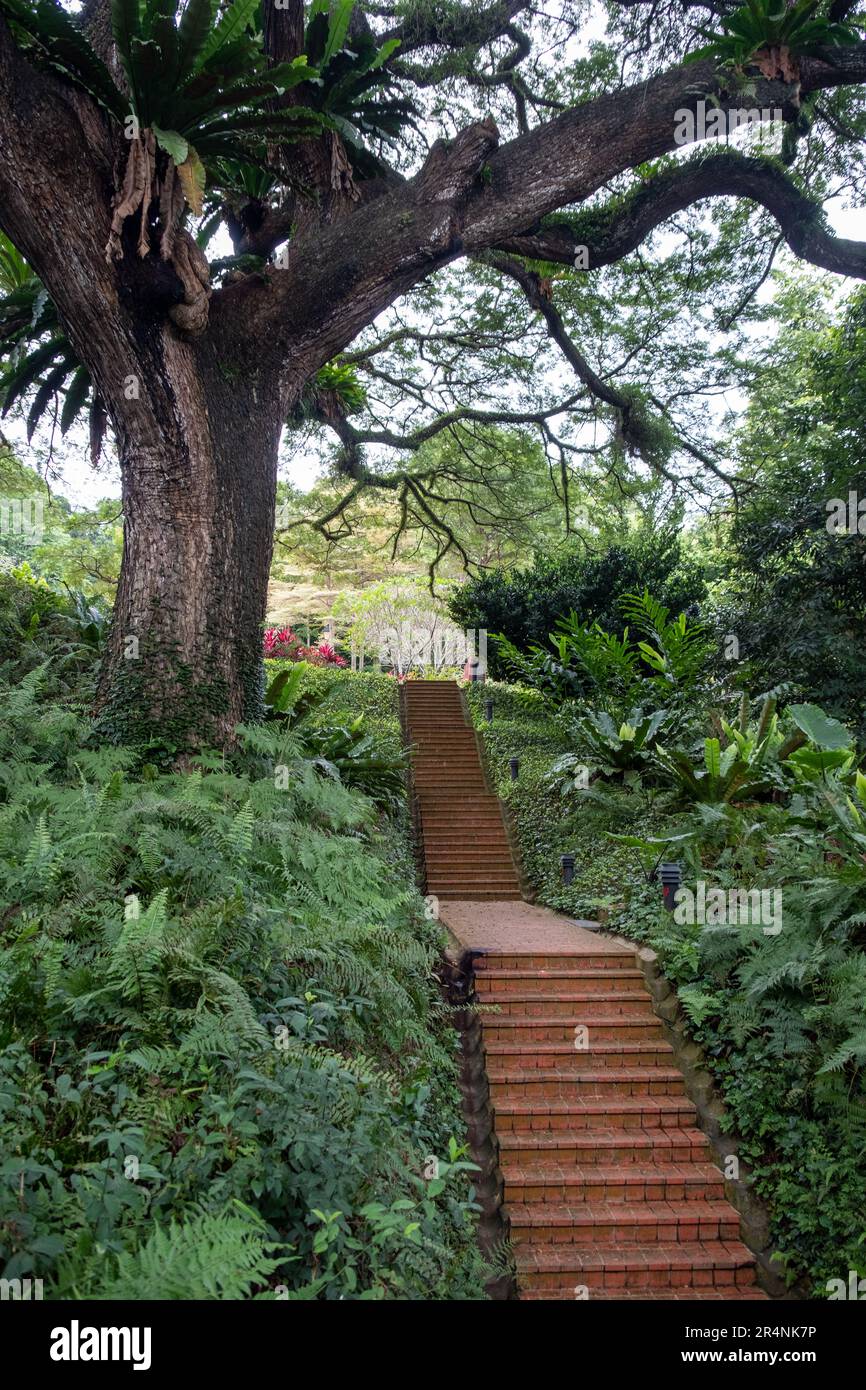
(773,34)
(233,998)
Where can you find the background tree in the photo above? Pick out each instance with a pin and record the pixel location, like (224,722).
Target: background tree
(790,587)
(591,581)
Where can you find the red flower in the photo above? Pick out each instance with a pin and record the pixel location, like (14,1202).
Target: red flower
(282,642)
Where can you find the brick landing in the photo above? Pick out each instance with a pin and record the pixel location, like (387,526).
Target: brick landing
(520,928)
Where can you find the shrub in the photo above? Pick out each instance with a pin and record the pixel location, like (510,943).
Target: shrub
(525,605)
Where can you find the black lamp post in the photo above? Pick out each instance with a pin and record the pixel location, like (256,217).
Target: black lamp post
(671,876)
(488,711)
(514,764)
(567,863)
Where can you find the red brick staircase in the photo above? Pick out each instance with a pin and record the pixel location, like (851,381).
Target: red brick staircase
(610,1186)
(465,845)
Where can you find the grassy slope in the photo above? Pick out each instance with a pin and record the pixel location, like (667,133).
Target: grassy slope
(547,824)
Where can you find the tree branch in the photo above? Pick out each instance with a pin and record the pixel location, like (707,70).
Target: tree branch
(612,232)
(631,423)
(471,195)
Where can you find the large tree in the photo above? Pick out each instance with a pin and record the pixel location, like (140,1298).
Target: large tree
(198,380)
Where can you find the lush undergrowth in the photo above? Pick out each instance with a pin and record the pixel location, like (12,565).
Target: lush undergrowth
(781,1016)
(226,1069)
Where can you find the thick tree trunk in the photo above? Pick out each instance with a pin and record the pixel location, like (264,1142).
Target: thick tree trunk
(199,459)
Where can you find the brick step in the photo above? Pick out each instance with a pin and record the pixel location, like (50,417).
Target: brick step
(439,866)
(478,801)
(446,789)
(713,1264)
(681,1291)
(469,804)
(448,725)
(546,983)
(435,749)
(562,1148)
(495,853)
(448,786)
(438,758)
(538,965)
(609,1081)
(445,753)
(453,746)
(459,822)
(485,819)
(571,1004)
(628,1183)
(445,770)
(467,808)
(465,873)
(444,758)
(477,895)
(606,1112)
(469,854)
(602,1028)
(623,1224)
(448,694)
(449,778)
(464,887)
(438,842)
(467,811)
(438,721)
(497,865)
(565,1059)
(455,731)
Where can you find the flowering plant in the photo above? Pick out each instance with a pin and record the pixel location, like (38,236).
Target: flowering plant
(282,642)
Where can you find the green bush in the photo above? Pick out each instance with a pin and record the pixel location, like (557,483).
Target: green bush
(525,605)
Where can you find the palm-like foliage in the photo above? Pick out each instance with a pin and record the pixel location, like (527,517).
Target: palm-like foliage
(203,89)
(612,748)
(771,24)
(353,93)
(39,354)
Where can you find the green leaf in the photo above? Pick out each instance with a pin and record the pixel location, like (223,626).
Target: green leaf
(126,26)
(231,26)
(195,26)
(76,395)
(173,143)
(712,756)
(819,727)
(338,28)
(384,53)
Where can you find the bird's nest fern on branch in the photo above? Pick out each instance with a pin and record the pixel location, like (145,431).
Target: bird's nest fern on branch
(197,92)
(772,36)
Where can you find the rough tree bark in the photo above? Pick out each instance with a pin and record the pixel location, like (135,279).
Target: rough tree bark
(198,420)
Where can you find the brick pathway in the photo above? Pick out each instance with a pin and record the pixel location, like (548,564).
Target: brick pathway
(610,1186)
